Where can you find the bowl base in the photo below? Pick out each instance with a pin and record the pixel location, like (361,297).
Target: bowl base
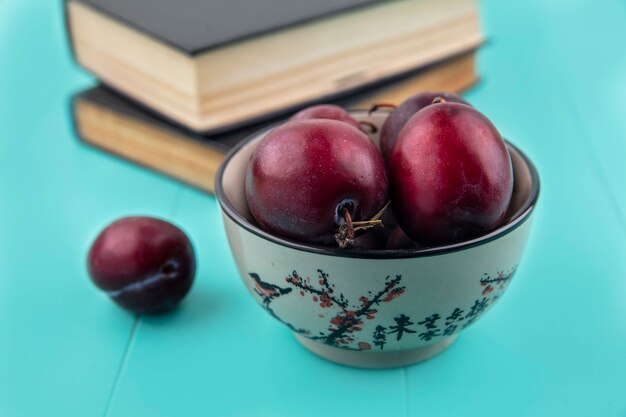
(374,359)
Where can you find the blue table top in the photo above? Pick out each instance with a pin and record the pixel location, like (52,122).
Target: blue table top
(553,79)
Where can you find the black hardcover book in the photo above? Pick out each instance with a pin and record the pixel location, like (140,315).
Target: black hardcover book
(214,65)
(195,26)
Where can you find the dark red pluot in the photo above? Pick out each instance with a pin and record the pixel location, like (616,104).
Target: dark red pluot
(400,240)
(326,111)
(450,175)
(370,241)
(304,173)
(398,117)
(145,264)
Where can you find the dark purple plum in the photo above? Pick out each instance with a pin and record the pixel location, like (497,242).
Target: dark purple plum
(309,177)
(400,240)
(144,264)
(399,116)
(326,111)
(370,241)
(450,173)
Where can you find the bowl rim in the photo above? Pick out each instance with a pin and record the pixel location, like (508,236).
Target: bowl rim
(502,230)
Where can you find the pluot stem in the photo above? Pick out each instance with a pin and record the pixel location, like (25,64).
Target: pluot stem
(345,235)
(373,128)
(437,100)
(377,106)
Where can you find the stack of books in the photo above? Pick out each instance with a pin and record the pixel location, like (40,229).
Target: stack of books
(182,81)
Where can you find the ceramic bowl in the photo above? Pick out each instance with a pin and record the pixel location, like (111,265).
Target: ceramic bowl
(374,308)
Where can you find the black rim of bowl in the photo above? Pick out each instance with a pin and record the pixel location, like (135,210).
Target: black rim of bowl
(521,216)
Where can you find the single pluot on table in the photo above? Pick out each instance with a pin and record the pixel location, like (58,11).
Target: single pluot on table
(146,265)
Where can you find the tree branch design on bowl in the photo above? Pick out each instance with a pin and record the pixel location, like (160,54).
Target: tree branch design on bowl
(501,281)
(348,318)
(268,293)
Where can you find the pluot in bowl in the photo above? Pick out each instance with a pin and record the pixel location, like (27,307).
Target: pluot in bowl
(374,308)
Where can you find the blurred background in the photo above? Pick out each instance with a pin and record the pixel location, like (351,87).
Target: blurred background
(550,75)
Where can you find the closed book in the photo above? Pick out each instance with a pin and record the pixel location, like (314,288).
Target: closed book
(109,121)
(215,65)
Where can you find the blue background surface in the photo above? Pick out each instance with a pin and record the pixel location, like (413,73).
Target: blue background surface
(553,81)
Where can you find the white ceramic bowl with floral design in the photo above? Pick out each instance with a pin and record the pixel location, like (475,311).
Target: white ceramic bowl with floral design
(374,308)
